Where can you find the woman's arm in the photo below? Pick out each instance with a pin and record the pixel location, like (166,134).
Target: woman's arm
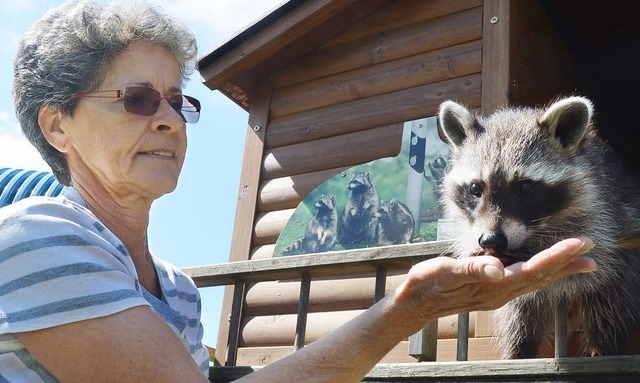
(134,345)
(433,289)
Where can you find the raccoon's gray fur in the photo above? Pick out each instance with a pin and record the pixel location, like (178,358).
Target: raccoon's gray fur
(320,234)
(357,223)
(395,223)
(522,179)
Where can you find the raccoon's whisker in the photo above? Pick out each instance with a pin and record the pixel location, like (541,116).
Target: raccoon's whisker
(540,219)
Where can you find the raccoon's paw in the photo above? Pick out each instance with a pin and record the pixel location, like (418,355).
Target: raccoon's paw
(437,168)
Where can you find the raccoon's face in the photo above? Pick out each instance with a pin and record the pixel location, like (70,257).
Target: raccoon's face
(360,183)
(326,202)
(512,176)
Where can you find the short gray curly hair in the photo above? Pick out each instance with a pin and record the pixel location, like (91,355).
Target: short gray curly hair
(70,50)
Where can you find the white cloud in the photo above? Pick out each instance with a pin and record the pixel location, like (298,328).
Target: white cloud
(214,22)
(17,152)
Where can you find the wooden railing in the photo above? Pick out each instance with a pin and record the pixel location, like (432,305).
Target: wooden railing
(381,260)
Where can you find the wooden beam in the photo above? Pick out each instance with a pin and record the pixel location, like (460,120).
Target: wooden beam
(497,54)
(246,207)
(330,263)
(487,371)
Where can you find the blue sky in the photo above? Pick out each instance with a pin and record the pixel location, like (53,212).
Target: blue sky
(193,225)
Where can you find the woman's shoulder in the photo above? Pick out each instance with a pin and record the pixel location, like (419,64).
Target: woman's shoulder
(45,209)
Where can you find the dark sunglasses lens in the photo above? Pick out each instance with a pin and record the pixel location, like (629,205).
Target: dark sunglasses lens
(146,101)
(141,101)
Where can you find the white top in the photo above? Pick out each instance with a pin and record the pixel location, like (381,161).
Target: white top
(59,265)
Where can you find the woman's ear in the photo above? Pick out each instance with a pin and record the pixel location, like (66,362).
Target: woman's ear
(51,121)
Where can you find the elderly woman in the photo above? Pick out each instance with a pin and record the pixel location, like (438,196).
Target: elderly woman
(98,91)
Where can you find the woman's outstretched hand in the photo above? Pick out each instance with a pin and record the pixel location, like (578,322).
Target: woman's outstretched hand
(444,286)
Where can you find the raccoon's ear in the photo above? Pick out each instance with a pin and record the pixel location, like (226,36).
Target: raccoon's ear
(568,120)
(455,123)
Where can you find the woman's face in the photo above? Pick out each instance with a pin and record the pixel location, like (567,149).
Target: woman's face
(121,152)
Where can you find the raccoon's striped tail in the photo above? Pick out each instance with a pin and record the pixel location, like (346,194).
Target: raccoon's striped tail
(294,248)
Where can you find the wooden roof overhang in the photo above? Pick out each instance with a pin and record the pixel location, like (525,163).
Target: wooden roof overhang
(293,29)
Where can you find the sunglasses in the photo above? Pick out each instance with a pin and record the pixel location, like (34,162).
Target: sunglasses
(145,101)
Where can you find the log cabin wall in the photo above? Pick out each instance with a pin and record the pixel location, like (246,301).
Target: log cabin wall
(344,104)
(341,99)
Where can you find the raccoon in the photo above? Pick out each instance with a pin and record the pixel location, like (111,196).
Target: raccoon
(395,223)
(320,234)
(524,178)
(357,223)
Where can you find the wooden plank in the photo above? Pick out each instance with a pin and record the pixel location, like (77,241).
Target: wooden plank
(479,350)
(269,226)
(497,52)
(328,153)
(279,330)
(533,368)
(398,14)
(390,108)
(263,251)
(484,323)
(389,46)
(442,64)
(247,196)
(617,368)
(327,294)
(333,263)
(287,192)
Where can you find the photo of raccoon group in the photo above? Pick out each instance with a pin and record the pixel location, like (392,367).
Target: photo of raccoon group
(367,205)
(365,221)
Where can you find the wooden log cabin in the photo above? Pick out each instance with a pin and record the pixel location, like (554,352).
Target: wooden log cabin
(328,85)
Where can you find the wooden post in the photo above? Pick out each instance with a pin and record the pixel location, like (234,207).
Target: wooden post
(234,324)
(247,196)
(462,353)
(303,310)
(423,345)
(381,283)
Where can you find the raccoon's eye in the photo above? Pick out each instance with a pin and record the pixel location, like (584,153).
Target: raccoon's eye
(525,187)
(475,189)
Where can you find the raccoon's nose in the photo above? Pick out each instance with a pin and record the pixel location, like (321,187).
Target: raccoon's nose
(493,243)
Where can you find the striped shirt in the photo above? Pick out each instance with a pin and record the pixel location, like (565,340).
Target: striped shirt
(59,265)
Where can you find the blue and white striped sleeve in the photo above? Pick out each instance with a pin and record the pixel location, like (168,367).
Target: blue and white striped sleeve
(59,265)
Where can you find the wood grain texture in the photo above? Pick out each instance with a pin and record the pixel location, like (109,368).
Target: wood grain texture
(389,46)
(287,192)
(381,110)
(615,368)
(332,152)
(336,263)
(425,68)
